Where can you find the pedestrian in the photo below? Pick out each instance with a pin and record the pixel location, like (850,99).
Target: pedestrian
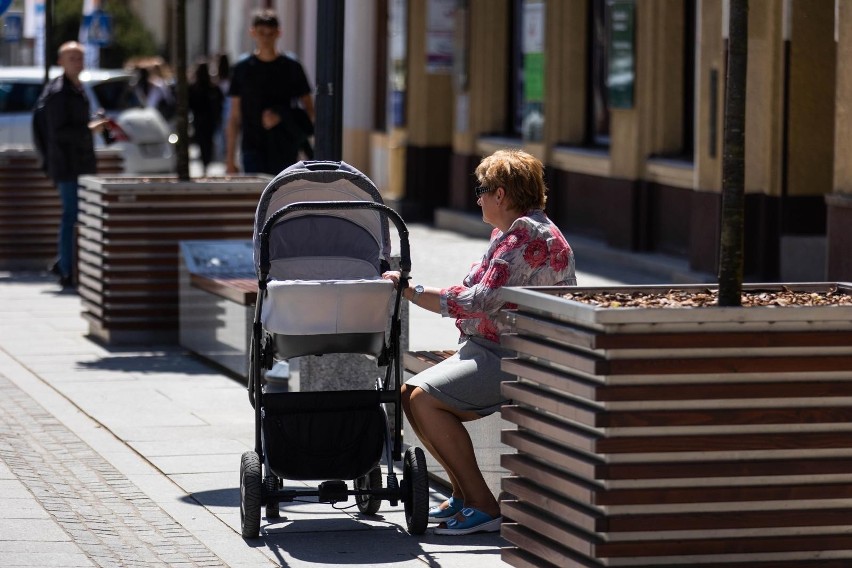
(526,249)
(205,102)
(271,104)
(152,90)
(69,147)
(223,81)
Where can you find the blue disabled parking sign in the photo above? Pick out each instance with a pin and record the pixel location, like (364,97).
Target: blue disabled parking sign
(97,28)
(4,5)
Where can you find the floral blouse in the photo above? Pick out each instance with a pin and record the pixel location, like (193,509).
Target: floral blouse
(532,253)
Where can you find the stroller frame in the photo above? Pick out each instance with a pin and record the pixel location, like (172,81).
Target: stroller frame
(257,489)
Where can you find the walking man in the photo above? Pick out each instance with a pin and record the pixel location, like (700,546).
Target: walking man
(69,149)
(271,104)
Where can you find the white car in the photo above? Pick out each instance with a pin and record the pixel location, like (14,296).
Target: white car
(143,137)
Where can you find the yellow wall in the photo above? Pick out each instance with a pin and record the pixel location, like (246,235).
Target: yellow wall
(429,96)
(764,98)
(843,103)
(711,59)
(811,95)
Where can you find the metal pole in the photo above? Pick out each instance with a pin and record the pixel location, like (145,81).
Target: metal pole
(329,101)
(48,38)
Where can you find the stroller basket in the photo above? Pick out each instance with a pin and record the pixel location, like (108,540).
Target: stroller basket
(349,424)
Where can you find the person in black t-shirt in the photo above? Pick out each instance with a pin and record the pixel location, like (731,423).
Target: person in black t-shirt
(272,106)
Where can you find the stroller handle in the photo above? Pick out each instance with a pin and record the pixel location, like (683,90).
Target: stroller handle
(404,253)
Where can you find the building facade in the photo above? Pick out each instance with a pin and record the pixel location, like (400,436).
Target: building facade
(623,100)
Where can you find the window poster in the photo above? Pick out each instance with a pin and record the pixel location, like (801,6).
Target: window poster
(440,32)
(532,46)
(622,53)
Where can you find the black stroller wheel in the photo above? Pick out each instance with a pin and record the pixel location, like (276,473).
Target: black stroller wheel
(415,490)
(369,504)
(271,484)
(250,494)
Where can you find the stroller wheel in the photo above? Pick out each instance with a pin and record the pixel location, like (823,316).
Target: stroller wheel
(368,504)
(415,490)
(270,486)
(250,495)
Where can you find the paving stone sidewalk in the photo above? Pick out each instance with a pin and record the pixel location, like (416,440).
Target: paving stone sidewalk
(102,518)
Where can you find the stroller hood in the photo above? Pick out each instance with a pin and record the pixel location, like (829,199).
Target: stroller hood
(312,181)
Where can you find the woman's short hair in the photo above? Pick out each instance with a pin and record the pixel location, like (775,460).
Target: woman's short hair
(520,174)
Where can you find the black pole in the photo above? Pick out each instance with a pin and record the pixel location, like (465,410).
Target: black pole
(329,101)
(180,80)
(48,38)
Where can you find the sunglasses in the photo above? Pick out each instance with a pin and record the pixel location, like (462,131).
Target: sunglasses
(482,190)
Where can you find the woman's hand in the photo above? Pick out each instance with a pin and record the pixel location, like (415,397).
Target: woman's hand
(393,276)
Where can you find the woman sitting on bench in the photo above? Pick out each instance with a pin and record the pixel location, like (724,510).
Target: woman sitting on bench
(526,249)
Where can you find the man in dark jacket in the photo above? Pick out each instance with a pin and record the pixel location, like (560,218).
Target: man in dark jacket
(69,148)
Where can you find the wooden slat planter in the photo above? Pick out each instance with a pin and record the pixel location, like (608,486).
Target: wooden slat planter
(672,437)
(30,208)
(129,232)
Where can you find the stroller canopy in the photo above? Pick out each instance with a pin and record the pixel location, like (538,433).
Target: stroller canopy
(351,240)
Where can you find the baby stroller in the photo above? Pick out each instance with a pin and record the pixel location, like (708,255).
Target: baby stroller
(321,243)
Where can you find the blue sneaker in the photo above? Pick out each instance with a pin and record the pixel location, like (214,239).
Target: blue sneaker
(438,514)
(474,521)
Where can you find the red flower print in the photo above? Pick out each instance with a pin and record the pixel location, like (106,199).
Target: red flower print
(455,291)
(454,309)
(536,253)
(476,276)
(514,240)
(487,328)
(518,237)
(497,276)
(559,258)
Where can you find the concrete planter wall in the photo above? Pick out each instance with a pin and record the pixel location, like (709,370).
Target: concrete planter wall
(129,230)
(669,437)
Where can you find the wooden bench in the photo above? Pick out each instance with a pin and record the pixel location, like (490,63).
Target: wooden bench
(484,433)
(231,287)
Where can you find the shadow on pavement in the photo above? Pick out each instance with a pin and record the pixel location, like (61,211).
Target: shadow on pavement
(339,542)
(148,362)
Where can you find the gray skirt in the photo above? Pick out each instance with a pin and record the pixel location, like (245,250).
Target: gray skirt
(470,379)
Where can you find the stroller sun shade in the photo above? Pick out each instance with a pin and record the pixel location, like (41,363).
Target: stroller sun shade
(353,237)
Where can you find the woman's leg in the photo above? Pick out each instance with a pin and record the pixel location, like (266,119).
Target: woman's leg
(442,430)
(415,425)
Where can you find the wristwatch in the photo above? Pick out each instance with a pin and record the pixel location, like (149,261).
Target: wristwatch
(418,290)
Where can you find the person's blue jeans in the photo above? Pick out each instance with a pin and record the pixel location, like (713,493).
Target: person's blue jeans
(68,196)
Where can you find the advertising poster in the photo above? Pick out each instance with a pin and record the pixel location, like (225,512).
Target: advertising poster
(532,126)
(440,29)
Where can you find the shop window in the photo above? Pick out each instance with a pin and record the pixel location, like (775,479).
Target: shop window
(525,87)
(515,98)
(689,39)
(597,96)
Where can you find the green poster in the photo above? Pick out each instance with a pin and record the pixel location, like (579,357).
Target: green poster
(534,77)
(622,53)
